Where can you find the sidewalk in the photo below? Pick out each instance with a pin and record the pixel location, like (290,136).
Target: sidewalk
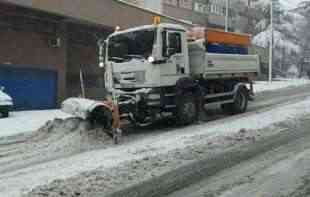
(27,121)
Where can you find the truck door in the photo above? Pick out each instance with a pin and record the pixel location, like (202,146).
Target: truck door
(173,51)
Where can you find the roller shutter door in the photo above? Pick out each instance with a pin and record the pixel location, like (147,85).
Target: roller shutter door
(31,89)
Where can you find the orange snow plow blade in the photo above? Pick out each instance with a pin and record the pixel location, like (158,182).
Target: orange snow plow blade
(220,37)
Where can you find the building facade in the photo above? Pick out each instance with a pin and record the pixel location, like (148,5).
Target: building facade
(45,45)
(194,11)
(41,56)
(201,12)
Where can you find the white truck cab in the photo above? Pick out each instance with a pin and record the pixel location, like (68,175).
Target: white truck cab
(146,57)
(155,69)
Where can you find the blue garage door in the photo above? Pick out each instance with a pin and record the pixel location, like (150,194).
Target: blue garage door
(30,88)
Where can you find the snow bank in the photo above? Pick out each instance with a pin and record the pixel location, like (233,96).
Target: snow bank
(263,86)
(27,121)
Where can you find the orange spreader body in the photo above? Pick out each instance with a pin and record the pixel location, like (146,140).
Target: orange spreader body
(220,36)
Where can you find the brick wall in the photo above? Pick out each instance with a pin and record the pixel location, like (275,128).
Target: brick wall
(31,50)
(84,57)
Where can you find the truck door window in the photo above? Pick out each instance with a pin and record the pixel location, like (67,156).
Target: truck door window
(175,43)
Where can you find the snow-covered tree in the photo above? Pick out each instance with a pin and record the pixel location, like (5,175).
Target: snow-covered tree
(287,40)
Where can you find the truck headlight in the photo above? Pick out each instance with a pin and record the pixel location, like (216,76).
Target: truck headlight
(150,59)
(101,64)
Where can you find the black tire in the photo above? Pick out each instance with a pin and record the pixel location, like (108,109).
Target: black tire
(227,108)
(186,111)
(4,112)
(240,104)
(101,117)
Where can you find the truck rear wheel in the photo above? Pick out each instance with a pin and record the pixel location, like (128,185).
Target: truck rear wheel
(240,104)
(186,112)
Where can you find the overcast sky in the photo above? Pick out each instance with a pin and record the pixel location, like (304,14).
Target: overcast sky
(290,4)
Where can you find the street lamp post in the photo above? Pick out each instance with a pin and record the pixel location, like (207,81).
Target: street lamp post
(271,41)
(227,15)
(207,22)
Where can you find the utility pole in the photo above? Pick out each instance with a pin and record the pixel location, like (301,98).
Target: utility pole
(207,22)
(271,41)
(227,16)
(208,8)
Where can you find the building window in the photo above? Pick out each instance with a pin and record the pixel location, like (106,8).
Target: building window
(217,9)
(200,7)
(187,4)
(171,2)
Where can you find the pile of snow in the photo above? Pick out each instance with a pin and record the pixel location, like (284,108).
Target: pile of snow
(59,138)
(72,134)
(79,107)
(263,86)
(28,121)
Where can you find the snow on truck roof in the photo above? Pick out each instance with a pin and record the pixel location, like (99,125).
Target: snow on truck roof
(161,25)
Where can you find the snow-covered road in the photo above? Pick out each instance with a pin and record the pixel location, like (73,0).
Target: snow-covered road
(283,171)
(25,168)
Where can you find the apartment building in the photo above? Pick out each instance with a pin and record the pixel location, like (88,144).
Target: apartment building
(194,11)
(154,5)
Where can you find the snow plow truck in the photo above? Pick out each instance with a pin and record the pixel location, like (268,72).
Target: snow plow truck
(164,69)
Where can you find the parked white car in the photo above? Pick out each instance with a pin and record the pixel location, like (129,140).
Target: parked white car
(6,103)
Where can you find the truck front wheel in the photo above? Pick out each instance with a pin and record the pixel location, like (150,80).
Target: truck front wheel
(240,103)
(186,112)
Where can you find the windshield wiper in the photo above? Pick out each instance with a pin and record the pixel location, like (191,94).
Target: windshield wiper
(117,59)
(135,56)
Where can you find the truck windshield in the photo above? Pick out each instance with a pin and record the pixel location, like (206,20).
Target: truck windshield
(136,44)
